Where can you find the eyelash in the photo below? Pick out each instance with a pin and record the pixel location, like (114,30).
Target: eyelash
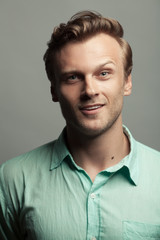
(75,77)
(72,77)
(104,72)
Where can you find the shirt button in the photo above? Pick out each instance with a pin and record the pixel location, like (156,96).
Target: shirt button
(93,195)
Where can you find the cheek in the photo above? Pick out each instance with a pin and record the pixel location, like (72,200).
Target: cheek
(67,101)
(113,93)
(69,93)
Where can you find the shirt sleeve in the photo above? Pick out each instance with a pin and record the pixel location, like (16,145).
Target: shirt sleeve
(9,227)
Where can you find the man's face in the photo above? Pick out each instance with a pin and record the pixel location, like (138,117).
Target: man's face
(90,84)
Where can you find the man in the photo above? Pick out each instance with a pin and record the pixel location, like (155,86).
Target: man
(95,181)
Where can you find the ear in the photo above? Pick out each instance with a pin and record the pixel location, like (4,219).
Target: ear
(128,86)
(54,94)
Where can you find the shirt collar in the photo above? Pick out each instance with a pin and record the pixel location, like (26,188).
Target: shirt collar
(60,151)
(130,162)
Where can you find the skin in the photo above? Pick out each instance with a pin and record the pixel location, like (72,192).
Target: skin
(90,86)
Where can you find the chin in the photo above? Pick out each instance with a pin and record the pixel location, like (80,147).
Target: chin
(98,129)
(93,132)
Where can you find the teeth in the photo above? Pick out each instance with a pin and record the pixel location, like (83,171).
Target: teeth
(91,108)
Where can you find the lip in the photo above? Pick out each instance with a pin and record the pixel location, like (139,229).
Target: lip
(91,108)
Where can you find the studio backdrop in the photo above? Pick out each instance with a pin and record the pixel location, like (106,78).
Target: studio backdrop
(28,117)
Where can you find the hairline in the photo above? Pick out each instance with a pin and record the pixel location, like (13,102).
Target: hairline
(84,39)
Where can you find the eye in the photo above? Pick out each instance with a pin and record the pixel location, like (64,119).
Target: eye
(105,73)
(72,77)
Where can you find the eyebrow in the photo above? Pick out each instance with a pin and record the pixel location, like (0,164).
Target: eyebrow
(63,74)
(106,63)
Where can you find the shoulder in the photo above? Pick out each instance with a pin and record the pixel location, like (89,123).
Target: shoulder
(27,162)
(148,151)
(22,173)
(148,156)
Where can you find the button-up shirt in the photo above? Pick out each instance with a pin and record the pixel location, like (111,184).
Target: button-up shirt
(45,195)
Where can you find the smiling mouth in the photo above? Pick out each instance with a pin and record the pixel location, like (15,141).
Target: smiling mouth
(91,107)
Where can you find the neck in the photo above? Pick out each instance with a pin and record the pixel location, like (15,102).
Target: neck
(98,153)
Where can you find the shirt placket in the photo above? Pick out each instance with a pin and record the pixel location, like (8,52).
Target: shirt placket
(93,212)
(94,208)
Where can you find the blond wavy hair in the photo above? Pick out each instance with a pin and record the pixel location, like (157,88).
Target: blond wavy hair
(80,27)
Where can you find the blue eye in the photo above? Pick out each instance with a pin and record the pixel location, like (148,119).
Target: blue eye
(104,73)
(72,77)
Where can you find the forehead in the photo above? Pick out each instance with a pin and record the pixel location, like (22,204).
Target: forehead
(89,52)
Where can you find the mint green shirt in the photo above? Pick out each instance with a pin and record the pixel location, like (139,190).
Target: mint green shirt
(44,195)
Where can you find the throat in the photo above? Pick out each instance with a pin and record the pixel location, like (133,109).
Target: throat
(99,154)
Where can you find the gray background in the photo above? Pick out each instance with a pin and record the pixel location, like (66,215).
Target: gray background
(28,118)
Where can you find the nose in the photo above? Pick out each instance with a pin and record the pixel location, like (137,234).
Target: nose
(90,88)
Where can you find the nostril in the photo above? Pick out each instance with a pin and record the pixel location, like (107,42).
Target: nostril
(85,97)
(88,95)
